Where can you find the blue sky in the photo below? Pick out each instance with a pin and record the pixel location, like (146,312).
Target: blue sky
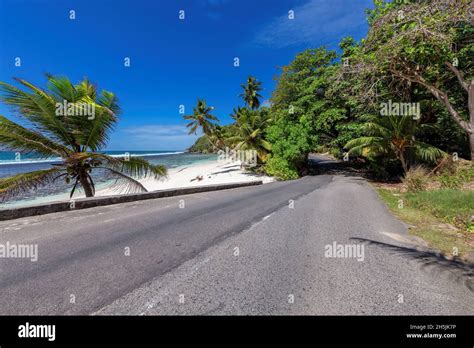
(173,61)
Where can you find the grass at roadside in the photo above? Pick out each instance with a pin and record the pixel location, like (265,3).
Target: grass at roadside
(441,217)
(452,206)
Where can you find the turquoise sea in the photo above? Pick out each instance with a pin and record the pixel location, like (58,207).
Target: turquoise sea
(12,163)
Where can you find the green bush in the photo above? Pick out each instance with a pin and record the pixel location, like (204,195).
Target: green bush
(378,171)
(281,169)
(416,179)
(202,145)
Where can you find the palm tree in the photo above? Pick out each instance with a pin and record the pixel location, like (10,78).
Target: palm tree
(250,94)
(236,112)
(249,133)
(393,135)
(202,118)
(75,137)
(217,137)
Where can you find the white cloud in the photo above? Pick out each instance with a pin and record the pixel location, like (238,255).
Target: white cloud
(157,130)
(266,103)
(316,22)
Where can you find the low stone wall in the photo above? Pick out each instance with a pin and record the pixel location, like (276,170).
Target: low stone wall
(84,203)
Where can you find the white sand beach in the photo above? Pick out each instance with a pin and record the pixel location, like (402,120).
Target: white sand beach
(202,174)
(209,173)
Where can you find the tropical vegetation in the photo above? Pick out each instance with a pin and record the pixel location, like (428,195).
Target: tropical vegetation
(250,94)
(417,52)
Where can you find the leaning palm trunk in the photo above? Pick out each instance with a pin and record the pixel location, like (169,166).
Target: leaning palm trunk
(86,185)
(202,118)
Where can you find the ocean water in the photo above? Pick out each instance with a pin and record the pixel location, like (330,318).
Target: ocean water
(11,163)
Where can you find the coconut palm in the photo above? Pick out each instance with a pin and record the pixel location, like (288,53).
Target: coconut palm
(236,112)
(250,94)
(393,135)
(249,133)
(57,127)
(202,118)
(217,137)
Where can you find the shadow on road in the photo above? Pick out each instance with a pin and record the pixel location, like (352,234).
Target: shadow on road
(321,164)
(430,261)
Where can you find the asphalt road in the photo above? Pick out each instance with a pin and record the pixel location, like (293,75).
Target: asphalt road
(255,250)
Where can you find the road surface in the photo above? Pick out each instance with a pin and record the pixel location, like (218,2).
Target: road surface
(255,250)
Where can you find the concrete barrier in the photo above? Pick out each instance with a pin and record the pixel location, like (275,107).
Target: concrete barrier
(84,203)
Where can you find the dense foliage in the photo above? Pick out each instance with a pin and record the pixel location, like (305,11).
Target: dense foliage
(417,56)
(202,145)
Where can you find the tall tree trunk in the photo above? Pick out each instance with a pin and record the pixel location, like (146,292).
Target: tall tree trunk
(86,185)
(471,144)
(467,126)
(470,102)
(401,156)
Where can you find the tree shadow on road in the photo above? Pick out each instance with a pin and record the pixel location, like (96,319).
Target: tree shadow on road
(320,164)
(431,262)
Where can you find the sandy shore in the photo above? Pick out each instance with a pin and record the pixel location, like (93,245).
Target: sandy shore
(210,173)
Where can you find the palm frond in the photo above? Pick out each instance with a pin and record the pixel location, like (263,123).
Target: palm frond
(110,101)
(363,141)
(427,152)
(265,144)
(38,108)
(63,89)
(89,88)
(25,182)
(128,184)
(133,166)
(18,138)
